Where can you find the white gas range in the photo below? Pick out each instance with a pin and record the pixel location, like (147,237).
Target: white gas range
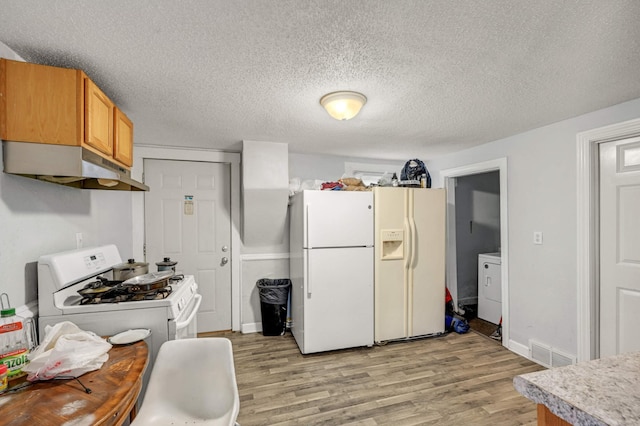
(170,315)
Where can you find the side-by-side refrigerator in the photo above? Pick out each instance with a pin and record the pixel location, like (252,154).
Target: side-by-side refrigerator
(409,262)
(331,269)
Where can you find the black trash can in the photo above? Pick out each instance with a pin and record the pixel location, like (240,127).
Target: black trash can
(274,294)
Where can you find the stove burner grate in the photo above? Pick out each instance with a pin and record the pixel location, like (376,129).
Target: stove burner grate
(120,294)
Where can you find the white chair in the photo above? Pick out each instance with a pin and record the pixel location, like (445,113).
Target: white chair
(193,382)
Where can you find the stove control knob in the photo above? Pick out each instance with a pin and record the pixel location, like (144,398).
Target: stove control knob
(225,249)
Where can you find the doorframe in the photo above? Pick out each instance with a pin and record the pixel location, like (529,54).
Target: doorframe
(152,152)
(588,243)
(447,177)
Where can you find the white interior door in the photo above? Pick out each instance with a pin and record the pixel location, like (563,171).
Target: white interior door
(619,246)
(187,218)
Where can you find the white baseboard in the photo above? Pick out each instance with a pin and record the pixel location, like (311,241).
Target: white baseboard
(29,310)
(254,327)
(519,348)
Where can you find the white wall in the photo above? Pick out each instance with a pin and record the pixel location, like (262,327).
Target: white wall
(328,167)
(38,218)
(542,197)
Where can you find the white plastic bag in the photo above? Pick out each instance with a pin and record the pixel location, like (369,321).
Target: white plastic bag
(311,184)
(66,351)
(294,185)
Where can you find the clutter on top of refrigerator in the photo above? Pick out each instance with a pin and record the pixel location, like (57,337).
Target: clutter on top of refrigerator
(413,172)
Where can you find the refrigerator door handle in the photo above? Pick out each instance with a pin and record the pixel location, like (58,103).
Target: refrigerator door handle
(308,245)
(308,269)
(307,226)
(408,244)
(412,224)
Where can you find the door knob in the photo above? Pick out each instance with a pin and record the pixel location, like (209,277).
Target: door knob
(224,261)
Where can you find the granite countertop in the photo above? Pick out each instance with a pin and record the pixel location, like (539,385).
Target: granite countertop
(600,392)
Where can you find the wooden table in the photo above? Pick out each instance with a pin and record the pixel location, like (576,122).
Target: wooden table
(114,391)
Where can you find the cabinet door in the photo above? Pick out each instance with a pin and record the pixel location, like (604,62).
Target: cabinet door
(123,138)
(98,119)
(39,103)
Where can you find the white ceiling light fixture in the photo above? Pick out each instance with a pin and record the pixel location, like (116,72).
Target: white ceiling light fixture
(343,105)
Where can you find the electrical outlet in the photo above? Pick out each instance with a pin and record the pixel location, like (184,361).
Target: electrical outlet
(537,237)
(79,240)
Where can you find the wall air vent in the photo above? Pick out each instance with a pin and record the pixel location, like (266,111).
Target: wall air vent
(548,356)
(540,353)
(559,359)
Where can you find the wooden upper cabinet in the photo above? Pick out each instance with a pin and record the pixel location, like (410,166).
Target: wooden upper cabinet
(39,103)
(98,116)
(61,106)
(123,138)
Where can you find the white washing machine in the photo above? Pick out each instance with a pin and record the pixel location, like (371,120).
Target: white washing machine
(490,287)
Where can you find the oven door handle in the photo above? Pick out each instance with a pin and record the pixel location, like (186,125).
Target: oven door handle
(182,324)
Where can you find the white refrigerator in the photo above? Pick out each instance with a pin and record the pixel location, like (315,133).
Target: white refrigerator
(409,262)
(331,269)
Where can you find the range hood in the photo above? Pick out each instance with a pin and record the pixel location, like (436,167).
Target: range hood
(72,166)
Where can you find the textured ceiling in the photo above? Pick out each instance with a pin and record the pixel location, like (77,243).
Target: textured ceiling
(439,76)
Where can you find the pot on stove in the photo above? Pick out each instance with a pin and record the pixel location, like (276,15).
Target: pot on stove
(148,282)
(166,265)
(129,269)
(98,287)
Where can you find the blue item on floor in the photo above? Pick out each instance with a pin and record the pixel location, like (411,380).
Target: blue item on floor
(458,325)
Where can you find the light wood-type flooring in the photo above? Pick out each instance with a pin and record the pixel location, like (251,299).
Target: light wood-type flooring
(457,379)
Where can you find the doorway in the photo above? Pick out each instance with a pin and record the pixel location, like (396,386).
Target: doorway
(588,214)
(498,239)
(619,259)
(477,216)
(144,152)
(188,218)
